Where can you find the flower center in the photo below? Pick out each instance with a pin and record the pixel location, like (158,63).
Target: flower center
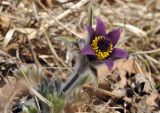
(102,47)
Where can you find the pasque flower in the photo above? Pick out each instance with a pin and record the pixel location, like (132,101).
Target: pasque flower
(101,45)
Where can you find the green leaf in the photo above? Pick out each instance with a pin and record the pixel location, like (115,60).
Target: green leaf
(32,110)
(90,15)
(57,101)
(29,106)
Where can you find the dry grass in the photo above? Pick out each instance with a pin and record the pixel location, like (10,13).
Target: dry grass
(33,32)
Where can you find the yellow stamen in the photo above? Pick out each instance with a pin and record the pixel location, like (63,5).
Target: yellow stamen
(100,54)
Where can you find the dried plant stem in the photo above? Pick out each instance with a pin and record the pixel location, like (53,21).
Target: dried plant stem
(147,52)
(33,53)
(53,50)
(137,67)
(114,107)
(98,90)
(152,59)
(71,10)
(41,97)
(67,12)
(1,76)
(63,15)
(105,92)
(38,106)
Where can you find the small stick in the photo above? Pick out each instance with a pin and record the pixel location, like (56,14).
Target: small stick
(63,15)
(99,90)
(53,50)
(107,93)
(147,52)
(33,53)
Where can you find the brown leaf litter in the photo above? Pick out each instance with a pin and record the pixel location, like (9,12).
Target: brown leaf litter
(29,34)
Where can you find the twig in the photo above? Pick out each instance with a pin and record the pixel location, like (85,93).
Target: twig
(35,10)
(69,11)
(152,59)
(33,53)
(63,15)
(105,105)
(41,97)
(108,93)
(147,52)
(137,67)
(105,92)
(114,107)
(38,106)
(145,62)
(53,50)
(4,78)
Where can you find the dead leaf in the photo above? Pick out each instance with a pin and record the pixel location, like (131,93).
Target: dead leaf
(30,32)
(122,65)
(8,37)
(5,21)
(151,100)
(9,92)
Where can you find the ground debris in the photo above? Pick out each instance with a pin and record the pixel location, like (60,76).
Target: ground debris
(42,35)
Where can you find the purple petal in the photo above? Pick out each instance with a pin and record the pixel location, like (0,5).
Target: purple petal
(90,33)
(114,36)
(119,53)
(109,63)
(87,50)
(100,28)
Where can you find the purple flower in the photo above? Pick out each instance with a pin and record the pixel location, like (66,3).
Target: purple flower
(101,45)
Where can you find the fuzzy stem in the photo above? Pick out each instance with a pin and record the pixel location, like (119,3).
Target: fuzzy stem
(80,67)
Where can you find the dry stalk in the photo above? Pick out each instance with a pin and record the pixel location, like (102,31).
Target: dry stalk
(54,51)
(63,15)
(147,52)
(105,92)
